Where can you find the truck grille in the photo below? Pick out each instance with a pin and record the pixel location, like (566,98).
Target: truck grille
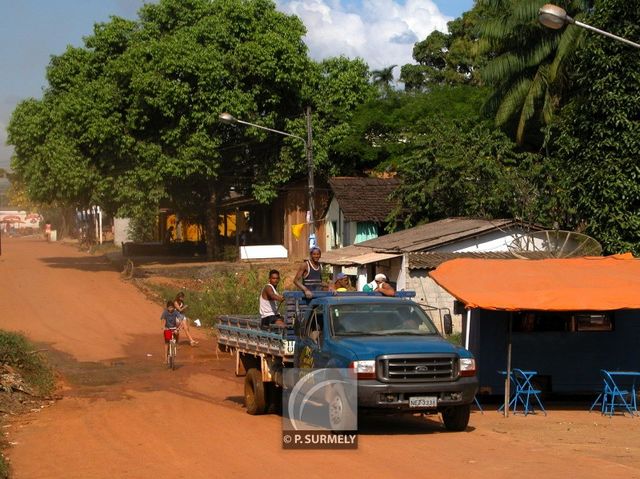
(392,368)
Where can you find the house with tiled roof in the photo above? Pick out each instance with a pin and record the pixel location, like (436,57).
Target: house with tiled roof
(358,209)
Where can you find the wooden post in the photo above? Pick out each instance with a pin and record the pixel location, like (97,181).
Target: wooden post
(507,381)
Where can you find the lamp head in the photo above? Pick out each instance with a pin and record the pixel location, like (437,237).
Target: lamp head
(552,16)
(227,118)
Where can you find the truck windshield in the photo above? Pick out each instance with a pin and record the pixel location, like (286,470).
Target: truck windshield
(380,319)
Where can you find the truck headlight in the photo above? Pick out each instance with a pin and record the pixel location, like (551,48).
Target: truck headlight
(364,369)
(467,367)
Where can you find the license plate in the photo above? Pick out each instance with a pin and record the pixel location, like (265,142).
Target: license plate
(423,401)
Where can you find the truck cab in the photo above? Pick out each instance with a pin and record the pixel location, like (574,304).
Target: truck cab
(401,361)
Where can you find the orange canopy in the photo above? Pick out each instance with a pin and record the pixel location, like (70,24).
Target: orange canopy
(577,284)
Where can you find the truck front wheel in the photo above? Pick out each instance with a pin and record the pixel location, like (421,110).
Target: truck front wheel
(342,416)
(456,418)
(254,393)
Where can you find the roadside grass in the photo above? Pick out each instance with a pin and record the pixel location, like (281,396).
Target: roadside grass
(20,355)
(4,468)
(106,247)
(226,293)
(16,351)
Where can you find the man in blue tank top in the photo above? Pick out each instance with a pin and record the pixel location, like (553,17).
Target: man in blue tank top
(309,275)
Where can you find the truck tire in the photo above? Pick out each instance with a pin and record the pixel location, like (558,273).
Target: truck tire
(342,415)
(254,393)
(456,418)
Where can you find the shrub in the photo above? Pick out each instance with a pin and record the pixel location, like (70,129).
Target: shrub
(19,353)
(226,293)
(455,338)
(4,468)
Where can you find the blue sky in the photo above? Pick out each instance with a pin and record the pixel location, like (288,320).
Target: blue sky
(380,31)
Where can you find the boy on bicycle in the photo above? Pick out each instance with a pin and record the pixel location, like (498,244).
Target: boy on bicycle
(171,318)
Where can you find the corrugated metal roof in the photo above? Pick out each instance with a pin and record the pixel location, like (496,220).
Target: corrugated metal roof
(342,256)
(373,257)
(431,260)
(420,238)
(437,233)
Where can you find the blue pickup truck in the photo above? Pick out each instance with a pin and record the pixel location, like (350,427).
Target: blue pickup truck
(401,361)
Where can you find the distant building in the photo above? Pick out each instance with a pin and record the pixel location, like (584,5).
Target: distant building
(407,256)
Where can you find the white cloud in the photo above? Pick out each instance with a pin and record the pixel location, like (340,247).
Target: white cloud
(380,31)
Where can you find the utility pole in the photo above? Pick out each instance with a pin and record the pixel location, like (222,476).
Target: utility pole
(308,148)
(309,144)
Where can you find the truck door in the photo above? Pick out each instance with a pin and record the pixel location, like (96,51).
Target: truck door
(312,336)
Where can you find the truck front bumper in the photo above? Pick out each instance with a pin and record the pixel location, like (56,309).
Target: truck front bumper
(374,394)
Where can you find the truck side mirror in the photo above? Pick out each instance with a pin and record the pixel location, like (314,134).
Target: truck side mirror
(448,324)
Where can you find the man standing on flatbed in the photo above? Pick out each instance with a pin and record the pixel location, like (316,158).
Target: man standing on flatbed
(309,275)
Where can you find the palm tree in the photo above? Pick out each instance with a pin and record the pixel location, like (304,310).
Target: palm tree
(383,78)
(529,69)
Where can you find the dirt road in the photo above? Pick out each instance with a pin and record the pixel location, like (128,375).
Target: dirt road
(123,415)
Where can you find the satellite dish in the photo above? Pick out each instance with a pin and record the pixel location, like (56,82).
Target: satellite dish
(553,244)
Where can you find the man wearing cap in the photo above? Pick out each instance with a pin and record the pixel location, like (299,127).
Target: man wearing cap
(380,285)
(309,275)
(341,284)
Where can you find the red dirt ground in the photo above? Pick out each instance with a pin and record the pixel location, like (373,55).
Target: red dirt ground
(122,414)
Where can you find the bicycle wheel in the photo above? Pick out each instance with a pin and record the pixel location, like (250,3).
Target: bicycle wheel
(172,354)
(127,271)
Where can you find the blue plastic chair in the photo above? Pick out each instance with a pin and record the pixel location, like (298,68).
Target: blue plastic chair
(613,396)
(602,398)
(475,399)
(525,392)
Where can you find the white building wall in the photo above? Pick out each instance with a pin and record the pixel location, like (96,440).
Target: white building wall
(494,241)
(429,293)
(121,231)
(346,230)
(333,214)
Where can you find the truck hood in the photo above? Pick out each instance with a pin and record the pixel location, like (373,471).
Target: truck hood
(369,347)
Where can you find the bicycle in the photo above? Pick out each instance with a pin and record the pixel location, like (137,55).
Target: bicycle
(171,336)
(128,270)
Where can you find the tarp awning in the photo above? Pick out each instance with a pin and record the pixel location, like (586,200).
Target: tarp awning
(355,255)
(576,284)
(372,258)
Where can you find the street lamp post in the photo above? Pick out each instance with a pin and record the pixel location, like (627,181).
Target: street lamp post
(230,119)
(554,17)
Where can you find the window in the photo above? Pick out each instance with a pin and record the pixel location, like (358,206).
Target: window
(568,321)
(383,319)
(593,322)
(365,230)
(313,327)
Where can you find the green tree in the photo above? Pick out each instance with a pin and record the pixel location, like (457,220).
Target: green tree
(335,88)
(383,79)
(130,119)
(377,134)
(529,69)
(447,58)
(452,162)
(594,144)
(463,168)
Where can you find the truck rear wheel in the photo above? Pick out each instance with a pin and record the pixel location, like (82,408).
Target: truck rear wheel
(254,393)
(456,418)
